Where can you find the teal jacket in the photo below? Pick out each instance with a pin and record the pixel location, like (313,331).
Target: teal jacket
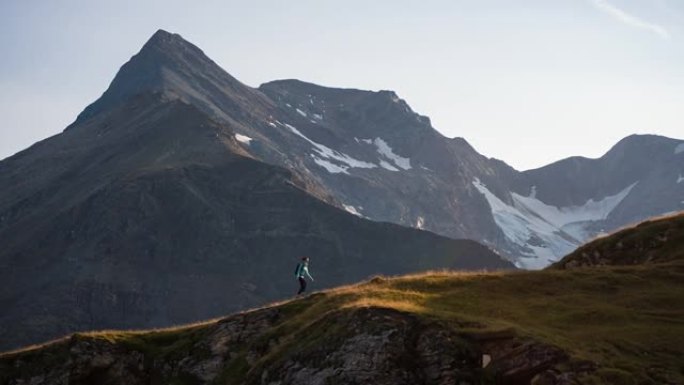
(303,270)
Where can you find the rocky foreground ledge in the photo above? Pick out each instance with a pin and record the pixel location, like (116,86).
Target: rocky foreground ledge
(350,346)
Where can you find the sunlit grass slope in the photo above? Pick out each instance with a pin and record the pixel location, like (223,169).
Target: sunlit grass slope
(629,320)
(626,317)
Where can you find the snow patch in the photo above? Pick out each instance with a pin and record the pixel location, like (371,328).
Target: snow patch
(302,113)
(243,138)
(679,148)
(420,223)
(328,153)
(388,166)
(353,210)
(272,124)
(547,232)
(318,116)
(590,211)
(288,104)
(330,167)
(385,150)
(680,179)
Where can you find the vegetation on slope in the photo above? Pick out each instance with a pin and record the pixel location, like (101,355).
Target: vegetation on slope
(619,320)
(655,240)
(629,320)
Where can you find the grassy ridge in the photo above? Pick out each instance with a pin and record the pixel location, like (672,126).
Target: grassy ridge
(653,241)
(627,315)
(628,319)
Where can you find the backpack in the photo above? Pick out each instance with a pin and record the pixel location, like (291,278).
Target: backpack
(298,269)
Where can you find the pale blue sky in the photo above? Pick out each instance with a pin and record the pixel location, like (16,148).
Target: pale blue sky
(528,82)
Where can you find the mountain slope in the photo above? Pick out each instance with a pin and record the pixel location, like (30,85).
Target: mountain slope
(600,325)
(371,154)
(179,166)
(150,214)
(654,241)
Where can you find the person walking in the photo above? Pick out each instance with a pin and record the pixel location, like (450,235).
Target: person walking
(301,272)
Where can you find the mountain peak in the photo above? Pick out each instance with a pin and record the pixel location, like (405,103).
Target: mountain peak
(162,36)
(171,65)
(643,145)
(169,44)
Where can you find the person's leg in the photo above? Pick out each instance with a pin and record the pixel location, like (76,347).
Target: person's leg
(302,285)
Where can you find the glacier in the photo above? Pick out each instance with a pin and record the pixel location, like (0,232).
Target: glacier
(545,232)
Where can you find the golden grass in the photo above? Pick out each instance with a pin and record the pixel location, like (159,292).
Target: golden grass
(627,318)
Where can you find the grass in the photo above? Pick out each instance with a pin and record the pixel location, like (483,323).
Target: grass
(628,319)
(656,240)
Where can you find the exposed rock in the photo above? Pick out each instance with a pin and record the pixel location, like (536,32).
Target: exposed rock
(355,346)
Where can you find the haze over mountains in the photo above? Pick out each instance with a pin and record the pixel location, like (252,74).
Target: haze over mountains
(182,183)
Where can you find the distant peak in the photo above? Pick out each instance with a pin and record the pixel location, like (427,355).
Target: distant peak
(167,63)
(163,34)
(168,43)
(162,37)
(637,141)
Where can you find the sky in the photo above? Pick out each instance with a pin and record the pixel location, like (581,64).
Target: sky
(527,81)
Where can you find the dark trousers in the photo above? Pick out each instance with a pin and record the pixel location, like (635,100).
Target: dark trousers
(302,285)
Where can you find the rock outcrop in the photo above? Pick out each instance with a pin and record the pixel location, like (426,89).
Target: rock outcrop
(355,345)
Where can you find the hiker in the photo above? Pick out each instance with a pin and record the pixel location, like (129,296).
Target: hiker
(302,270)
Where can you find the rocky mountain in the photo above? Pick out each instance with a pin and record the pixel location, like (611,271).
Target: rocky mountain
(181,182)
(371,154)
(151,210)
(393,166)
(597,325)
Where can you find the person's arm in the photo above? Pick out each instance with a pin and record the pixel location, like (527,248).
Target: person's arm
(306,271)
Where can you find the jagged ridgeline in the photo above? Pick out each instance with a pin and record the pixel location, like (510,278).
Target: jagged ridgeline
(150,210)
(621,322)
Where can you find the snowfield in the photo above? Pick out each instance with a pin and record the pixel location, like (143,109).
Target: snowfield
(337,162)
(385,150)
(353,210)
(330,167)
(387,166)
(243,138)
(328,153)
(546,233)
